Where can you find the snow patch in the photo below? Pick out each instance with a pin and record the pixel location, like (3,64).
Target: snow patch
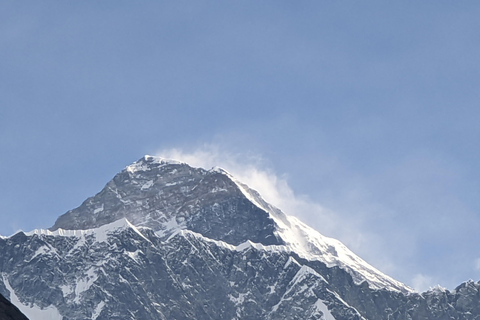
(58,232)
(147,185)
(98,310)
(85,283)
(239,248)
(320,305)
(98,209)
(289,262)
(237,300)
(67,290)
(272,289)
(438,289)
(170,228)
(101,233)
(41,250)
(218,189)
(302,274)
(145,163)
(134,255)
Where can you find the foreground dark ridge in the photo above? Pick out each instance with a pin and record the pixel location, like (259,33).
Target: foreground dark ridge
(164,240)
(9,312)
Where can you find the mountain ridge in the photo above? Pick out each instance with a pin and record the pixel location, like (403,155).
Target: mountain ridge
(169,241)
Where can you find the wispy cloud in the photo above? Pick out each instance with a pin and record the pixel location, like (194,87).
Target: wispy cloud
(477,264)
(256,172)
(422,282)
(253,170)
(358,213)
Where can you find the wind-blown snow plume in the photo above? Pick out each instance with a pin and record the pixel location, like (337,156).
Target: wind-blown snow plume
(253,171)
(256,172)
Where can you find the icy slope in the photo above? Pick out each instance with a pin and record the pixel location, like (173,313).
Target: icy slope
(311,245)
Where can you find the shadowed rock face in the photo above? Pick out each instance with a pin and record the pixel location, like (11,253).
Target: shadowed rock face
(168,241)
(8,311)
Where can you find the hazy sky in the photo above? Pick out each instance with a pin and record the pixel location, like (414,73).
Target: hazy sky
(363,115)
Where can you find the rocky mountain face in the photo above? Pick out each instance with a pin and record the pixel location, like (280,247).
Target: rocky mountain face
(164,240)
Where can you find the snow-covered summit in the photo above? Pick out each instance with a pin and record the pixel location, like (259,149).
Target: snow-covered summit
(147,161)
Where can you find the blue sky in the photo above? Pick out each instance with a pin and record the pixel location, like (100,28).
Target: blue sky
(365,114)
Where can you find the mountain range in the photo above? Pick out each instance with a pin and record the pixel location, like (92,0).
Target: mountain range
(164,240)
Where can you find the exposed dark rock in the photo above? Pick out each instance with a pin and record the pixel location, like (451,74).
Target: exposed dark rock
(9,312)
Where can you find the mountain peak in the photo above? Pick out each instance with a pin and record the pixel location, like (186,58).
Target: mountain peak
(154,192)
(169,195)
(147,161)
